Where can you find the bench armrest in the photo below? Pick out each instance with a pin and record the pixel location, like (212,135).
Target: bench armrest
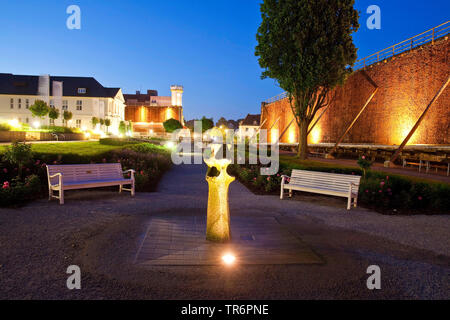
(284,178)
(59,175)
(131,171)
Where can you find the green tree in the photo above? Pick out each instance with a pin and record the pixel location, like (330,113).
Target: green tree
(102,122)
(107,124)
(171,125)
(222,122)
(94,122)
(307,46)
(53,114)
(122,127)
(39,109)
(207,124)
(67,116)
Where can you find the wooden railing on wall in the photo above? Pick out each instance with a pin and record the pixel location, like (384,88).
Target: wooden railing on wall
(431,35)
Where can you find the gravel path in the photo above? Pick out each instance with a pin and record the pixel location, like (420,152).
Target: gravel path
(100,231)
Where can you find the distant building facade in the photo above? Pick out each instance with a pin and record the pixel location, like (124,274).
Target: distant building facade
(148,111)
(250,125)
(85,97)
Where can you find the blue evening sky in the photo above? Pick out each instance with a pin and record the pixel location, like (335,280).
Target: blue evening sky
(207,46)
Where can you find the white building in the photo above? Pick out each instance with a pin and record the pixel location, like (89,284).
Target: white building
(85,97)
(250,125)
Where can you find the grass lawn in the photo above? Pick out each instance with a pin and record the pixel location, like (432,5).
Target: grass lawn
(84,148)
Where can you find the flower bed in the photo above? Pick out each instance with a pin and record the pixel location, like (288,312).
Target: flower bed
(28,180)
(391,194)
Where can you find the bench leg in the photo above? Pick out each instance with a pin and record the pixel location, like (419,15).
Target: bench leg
(282,193)
(349,203)
(61,197)
(290,193)
(133,190)
(120,188)
(355,202)
(50,194)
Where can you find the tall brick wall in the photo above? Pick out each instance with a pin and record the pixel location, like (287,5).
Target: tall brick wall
(406,82)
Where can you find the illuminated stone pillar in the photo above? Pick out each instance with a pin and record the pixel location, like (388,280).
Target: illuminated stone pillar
(218,219)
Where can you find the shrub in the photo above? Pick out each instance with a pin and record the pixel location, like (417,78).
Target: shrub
(17,192)
(122,127)
(18,154)
(365,164)
(58,129)
(377,190)
(39,109)
(172,125)
(118,141)
(5,127)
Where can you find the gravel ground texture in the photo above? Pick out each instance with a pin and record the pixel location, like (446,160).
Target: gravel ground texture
(101,231)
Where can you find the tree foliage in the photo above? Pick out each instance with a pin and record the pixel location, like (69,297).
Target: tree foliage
(207,124)
(171,125)
(67,116)
(53,113)
(39,109)
(307,46)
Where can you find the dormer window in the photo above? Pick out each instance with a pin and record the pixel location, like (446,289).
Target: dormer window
(81,90)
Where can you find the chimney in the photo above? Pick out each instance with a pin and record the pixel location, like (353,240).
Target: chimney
(138,92)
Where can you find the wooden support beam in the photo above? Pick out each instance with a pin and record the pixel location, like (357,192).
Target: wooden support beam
(353,123)
(269,132)
(318,119)
(285,130)
(414,129)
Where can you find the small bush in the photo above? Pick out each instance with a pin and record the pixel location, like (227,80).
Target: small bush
(18,154)
(5,127)
(172,125)
(58,129)
(17,192)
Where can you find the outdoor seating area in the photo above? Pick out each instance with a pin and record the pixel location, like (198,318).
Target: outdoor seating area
(339,185)
(86,176)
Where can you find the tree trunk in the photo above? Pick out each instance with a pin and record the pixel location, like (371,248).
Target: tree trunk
(303,140)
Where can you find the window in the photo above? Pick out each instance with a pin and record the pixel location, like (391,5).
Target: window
(27,120)
(12,103)
(81,90)
(19,105)
(79,105)
(78,122)
(27,103)
(52,103)
(65,105)
(52,122)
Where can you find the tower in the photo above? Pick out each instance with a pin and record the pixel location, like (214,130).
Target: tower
(177,95)
(177,100)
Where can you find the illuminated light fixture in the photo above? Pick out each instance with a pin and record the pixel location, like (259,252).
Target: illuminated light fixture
(14,123)
(316,135)
(228,259)
(83,128)
(170,145)
(36,124)
(151,131)
(87,134)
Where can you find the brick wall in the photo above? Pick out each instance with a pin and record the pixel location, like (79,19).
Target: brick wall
(406,82)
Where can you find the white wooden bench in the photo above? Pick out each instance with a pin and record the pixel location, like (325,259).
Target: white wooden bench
(84,176)
(340,185)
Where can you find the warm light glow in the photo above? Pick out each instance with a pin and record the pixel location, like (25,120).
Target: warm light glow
(87,134)
(150,131)
(143,115)
(292,134)
(229,259)
(83,128)
(404,126)
(36,124)
(170,145)
(274,136)
(14,123)
(169,114)
(316,135)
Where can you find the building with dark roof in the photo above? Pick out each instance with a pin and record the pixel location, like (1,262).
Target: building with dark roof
(85,97)
(250,125)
